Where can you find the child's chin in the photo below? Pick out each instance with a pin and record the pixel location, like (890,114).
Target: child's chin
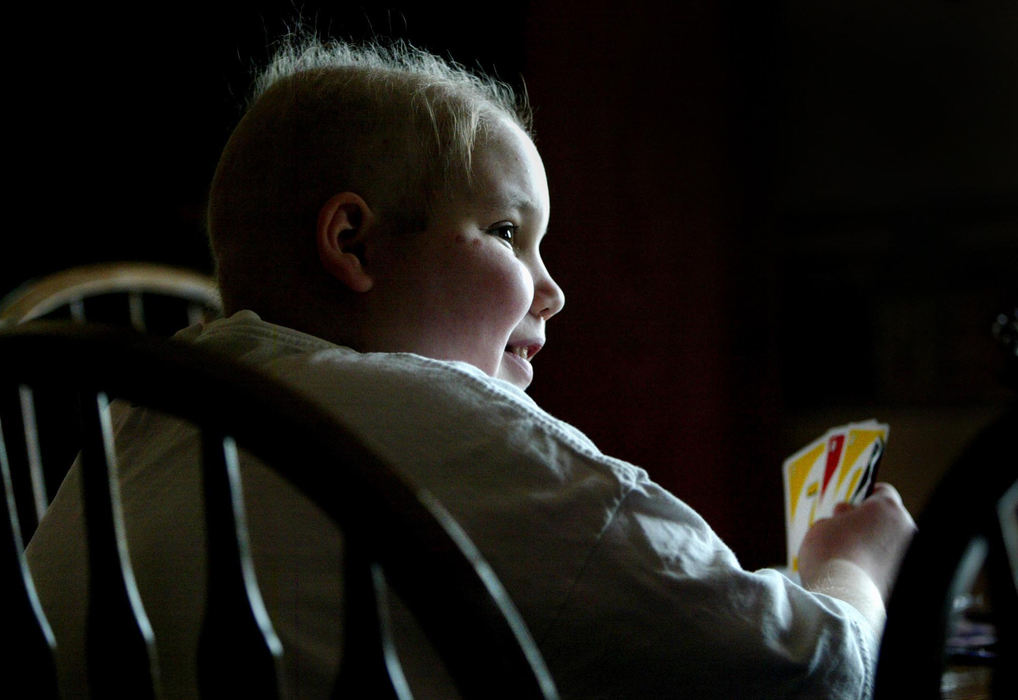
(515,370)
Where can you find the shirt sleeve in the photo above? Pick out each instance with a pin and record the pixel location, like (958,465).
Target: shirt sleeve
(662,606)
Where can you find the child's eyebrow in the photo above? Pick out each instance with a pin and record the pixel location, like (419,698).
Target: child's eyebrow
(520,202)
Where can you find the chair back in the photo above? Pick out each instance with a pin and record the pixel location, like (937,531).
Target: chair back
(395,533)
(150,297)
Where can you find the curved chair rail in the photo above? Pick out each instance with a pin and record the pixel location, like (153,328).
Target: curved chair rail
(38,298)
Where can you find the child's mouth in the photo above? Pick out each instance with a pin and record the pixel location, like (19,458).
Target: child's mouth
(525,350)
(517,362)
(521,352)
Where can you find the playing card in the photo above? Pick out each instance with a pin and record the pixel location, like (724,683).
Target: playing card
(803,475)
(838,467)
(851,479)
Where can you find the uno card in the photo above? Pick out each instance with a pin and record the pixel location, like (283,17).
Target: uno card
(803,475)
(839,466)
(853,477)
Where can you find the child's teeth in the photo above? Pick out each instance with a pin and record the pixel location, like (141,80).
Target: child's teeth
(523,352)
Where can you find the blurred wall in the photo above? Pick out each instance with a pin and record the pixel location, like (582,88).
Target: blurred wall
(634,120)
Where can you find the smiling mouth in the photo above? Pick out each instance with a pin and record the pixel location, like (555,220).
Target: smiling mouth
(524,352)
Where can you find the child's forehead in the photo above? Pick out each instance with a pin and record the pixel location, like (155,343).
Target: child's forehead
(507,178)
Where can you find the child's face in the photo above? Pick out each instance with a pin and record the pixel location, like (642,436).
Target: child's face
(473,287)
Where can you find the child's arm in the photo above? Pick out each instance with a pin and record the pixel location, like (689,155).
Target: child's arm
(854,555)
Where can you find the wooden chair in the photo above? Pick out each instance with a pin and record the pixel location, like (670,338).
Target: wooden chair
(967,530)
(122,293)
(149,297)
(968,534)
(393,531)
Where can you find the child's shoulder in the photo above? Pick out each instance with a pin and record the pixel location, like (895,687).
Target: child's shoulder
(400,387)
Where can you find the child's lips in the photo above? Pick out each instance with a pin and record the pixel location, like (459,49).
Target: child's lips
(525,350)
(520,363)
(519,353)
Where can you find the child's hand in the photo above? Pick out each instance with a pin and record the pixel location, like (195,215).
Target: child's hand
(872,535)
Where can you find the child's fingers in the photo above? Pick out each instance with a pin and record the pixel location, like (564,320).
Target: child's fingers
(882,489)
(842,508)
(885,504)
(872,535)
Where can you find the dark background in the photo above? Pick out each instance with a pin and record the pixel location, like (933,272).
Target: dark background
(768,217)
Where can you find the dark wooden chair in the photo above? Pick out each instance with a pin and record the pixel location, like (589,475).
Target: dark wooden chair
(152,298)
(968,535)
(149,297)
(394,533)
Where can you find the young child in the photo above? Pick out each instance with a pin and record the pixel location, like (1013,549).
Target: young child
(376,219)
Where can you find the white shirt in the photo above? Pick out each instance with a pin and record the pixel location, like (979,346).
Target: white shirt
(626,590)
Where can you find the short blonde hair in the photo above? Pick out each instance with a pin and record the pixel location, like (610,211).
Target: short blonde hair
(394,123)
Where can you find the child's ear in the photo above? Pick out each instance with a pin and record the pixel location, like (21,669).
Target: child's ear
(345,222)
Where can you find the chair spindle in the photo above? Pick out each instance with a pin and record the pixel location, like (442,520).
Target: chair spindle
(121,652)
(33,668)
(195,313)
(18,459)
(369,658)
(33,453)
(137,310)
(239,654)
(76,307)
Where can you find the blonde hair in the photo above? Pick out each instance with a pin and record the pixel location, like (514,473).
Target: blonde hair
(394,123)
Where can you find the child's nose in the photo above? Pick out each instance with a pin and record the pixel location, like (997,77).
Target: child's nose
(548,296)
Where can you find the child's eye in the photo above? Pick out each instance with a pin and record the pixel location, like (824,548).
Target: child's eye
(505,231)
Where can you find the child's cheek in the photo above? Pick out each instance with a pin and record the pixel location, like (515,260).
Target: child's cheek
(516,287)
(503,281)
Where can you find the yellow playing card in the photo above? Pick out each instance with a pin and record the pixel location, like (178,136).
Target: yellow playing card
(838,467)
